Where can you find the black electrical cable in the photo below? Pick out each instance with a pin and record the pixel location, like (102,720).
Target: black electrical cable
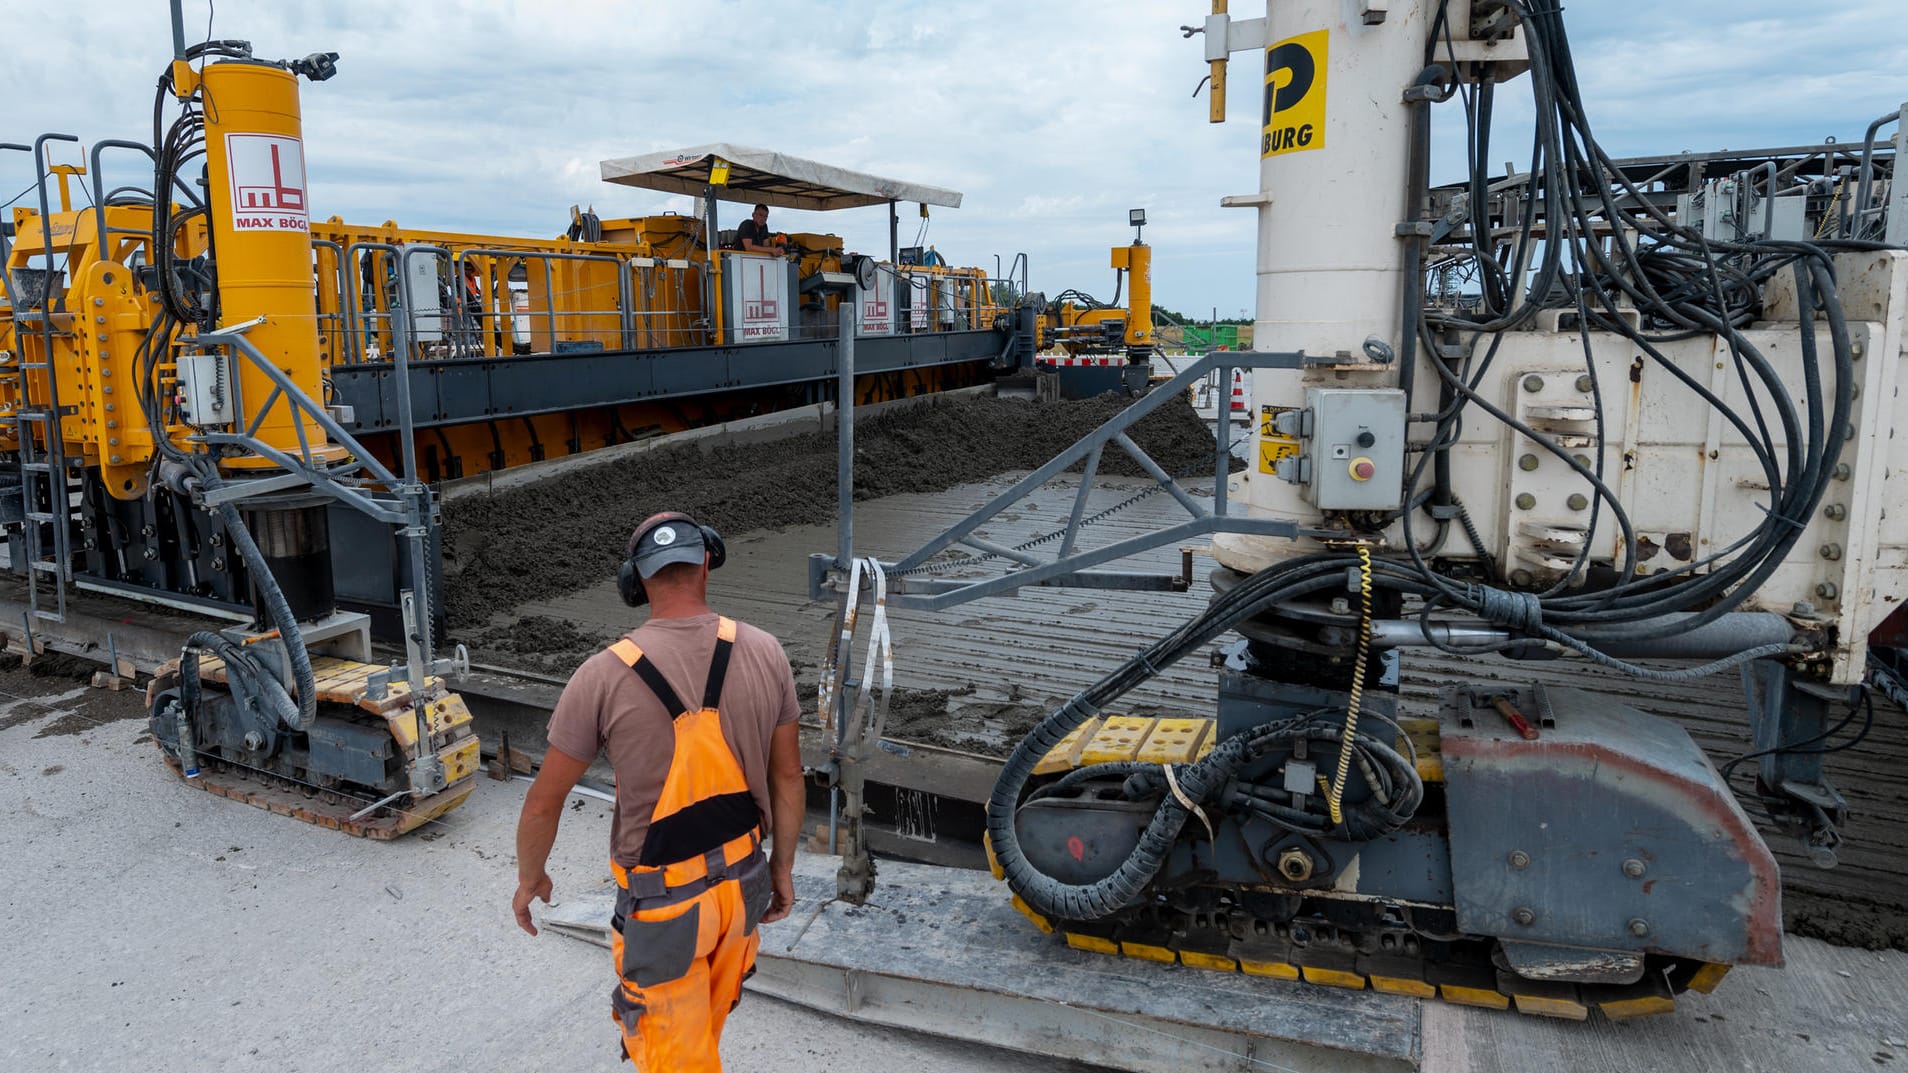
(1865,704)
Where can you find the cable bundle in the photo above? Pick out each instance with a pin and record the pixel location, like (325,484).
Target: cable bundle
(1683,284)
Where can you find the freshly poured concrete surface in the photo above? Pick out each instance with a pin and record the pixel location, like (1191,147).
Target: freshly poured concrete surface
(1050,642)
(148,926)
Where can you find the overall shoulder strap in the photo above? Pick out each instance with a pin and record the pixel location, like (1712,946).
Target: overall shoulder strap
(627,651)
(719,665)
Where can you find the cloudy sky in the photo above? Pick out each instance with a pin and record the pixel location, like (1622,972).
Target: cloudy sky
(1052,117)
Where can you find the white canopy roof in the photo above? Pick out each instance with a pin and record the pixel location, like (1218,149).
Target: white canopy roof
(769,177)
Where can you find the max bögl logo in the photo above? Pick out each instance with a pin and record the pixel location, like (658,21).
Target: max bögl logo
(268,182)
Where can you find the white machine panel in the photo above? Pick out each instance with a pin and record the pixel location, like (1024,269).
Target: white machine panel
(874,306)
(757,290)
(426,294)
(917,303)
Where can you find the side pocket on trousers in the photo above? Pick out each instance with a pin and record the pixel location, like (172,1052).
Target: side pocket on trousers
(658,951)
(757,890)
(628,1011)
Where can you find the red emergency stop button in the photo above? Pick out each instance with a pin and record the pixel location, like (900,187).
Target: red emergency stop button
(1363,469)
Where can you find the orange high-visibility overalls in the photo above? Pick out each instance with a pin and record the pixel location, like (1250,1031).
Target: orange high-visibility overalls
(684,935)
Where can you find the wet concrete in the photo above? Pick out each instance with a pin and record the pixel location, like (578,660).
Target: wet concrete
(533,541)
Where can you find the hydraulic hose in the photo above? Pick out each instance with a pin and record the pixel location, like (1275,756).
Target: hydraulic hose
(298,714)
(306,708)
(249,679)
(1196,782)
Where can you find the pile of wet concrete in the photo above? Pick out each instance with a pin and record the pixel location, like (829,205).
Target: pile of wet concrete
(536,540)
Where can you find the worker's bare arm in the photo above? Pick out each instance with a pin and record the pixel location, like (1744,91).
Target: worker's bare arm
(789,801)
(537,828)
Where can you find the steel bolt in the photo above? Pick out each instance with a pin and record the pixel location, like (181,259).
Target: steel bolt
(1639,927)
(1831,552)
(1519,859)
(1835,512)
(1584,383)
(114,442)
(1522,577)
(1582,460)
(218,564)
(1524,915)
(1527,463)
(1533,383)
(1526,501)
(1842,472)
(115,459)
(253,740)
(1827,590)
(1802,609)
(1634,868)
(1296,865)
(1341,606)
(100,302)
(1577,501)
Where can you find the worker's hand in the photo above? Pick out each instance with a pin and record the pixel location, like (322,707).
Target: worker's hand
(526,890)
(782,880)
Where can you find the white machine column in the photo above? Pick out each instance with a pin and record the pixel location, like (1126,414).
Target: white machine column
(1333,147)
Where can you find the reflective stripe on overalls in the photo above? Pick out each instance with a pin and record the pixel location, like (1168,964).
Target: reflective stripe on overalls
(684,935)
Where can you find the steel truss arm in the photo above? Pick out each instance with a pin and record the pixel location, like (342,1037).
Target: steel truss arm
(1070,567)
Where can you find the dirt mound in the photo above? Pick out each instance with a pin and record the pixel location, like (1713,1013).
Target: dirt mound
(555,536)
(539,643)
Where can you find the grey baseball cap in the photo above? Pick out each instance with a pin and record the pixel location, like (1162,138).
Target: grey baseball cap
(675,540)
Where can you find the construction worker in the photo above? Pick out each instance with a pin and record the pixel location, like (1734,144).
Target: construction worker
(754,236)
(696,784)
(473,295)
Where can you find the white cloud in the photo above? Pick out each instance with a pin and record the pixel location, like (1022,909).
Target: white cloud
(1053,118)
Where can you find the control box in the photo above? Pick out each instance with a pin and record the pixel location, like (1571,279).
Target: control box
(205,389)
(1352,448)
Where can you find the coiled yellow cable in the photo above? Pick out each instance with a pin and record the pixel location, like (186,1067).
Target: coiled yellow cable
(1336,795)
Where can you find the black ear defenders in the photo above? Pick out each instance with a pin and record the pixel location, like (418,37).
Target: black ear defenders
(648,541)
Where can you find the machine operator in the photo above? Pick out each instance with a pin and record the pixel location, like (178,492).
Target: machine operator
(754,236)
(698,780)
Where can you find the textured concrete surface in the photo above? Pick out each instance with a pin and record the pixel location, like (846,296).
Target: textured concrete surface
(148,926)
(145,925)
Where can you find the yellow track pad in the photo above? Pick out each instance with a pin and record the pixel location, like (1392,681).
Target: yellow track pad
(1119,738)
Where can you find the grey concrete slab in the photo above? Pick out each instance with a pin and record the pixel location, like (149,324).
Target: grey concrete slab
(941,950)
(1830,1010)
